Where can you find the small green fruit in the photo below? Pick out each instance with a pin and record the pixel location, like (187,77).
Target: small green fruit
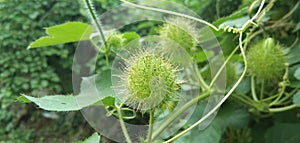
(181,31)
(114,41)
(266,60)
(149,81)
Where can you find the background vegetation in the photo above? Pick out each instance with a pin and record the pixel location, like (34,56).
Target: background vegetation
(46,71)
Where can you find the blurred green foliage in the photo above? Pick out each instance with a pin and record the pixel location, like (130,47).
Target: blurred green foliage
(37,71)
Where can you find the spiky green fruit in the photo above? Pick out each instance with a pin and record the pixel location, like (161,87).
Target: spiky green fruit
(266,60)
(149,81)
(149,73)
(181,31)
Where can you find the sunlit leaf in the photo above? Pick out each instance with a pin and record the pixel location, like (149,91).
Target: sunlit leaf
(129,36)
(64,33)
(203,56)
(93,89)
(108,101)
(54,103)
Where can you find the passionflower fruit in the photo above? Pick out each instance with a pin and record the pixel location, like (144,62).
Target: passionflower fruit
(148,80)
(181,31)
(266,59)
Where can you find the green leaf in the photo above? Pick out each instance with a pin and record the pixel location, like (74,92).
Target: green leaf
(283,133)
(293,55)
(104,84)
(95,138)
(203,56)
(109,101)
(53,103)
(297,28)
(23,99)
(64,33)
(294,82)
(296,98)
(237,14)
(244,86)
(95,88)
(238,22)
(129,36)
(297,74)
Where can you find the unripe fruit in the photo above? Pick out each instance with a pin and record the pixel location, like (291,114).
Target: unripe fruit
(114,42)
(149,80)
(181,31)
(266,60)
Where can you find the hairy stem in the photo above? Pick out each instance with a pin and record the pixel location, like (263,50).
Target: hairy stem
(150,130)
(91,11)
(122,123)
(218,8)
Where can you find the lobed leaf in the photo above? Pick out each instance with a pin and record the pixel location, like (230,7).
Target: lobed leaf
(93,90)
(53,103)
(64,33)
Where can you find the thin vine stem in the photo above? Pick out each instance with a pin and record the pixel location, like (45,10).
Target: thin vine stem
(262,90)
(171,12)
(253,91)
(222,67)
(288,95)
(267,8)
(222,101)
(290,12)
(281,109)
(218,8)
(282,90)
(201,81)
(249,22)
(150,130)
(91,11)
(269,98)
(244,100)
(174,115)
(123,126)
(245,97)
